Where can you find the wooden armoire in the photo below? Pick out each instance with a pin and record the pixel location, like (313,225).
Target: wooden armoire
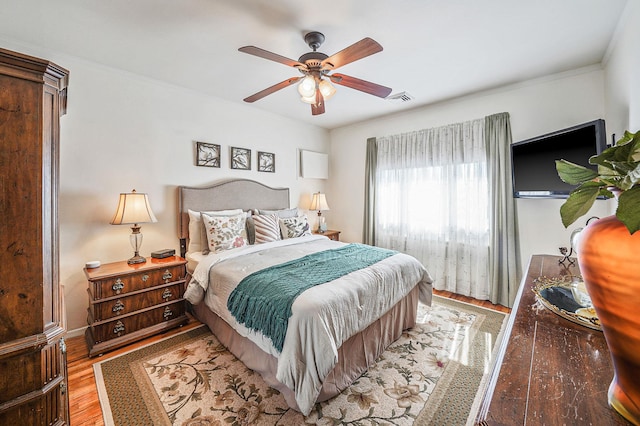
(33,371)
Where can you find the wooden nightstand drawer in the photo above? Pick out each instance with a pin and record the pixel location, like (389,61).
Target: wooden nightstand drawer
(124,284)
(131,302)
(116,327)
(329,233)
(124,304)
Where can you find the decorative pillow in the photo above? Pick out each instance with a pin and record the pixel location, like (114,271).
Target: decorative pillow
(267,228)
(293,227)
(197,233)
(225,232)
(284,213)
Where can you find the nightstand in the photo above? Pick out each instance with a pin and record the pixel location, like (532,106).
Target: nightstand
(131,302)
(329,233)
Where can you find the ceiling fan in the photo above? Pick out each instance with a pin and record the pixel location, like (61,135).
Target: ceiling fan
(315,82)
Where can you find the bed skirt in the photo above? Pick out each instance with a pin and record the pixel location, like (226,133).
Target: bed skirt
(354,356)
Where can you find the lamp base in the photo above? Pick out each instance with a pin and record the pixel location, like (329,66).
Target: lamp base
(136,259)
(322,225)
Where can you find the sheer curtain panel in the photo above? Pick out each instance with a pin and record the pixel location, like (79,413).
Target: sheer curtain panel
(429,194)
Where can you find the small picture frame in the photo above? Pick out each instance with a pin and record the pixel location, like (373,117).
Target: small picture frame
(207,154)
(240,158)
(266,162)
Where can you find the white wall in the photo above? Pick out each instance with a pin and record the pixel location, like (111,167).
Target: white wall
(124,131)
(622,77)
(536,107)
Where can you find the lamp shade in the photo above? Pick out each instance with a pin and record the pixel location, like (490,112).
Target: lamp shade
(319,202)
(309,100)
(307,87)
(327,89)
(133,207)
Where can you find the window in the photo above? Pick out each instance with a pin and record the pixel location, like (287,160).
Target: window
(432,202)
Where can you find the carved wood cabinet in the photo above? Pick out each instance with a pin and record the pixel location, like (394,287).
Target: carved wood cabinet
(33,370)
(130,302)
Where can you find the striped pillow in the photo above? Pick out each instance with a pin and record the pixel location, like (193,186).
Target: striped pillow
(267,228)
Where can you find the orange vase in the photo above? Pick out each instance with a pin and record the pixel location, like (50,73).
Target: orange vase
(609,261)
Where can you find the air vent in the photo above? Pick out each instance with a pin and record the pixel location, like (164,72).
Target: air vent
(400,97)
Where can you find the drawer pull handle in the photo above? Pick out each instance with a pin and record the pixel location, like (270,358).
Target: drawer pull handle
(145,277)
(117,307)
(166,294)
(118,328)
(167,313)
(118,286)
(167,275)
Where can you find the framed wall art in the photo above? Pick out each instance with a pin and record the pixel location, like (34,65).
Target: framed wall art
(240,158)
(266,162)
(207,154)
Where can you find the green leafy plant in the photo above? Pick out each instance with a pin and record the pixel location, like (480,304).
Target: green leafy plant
(618,172)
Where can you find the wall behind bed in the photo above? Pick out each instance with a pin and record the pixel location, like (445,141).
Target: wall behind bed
(124,131)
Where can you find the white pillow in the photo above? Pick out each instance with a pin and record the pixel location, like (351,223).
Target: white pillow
(225,232)
(294,227)
(197,233)
(267,228)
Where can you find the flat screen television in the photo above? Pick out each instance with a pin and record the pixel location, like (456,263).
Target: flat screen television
(533,160)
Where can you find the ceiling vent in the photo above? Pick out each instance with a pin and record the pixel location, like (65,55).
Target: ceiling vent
(400,97)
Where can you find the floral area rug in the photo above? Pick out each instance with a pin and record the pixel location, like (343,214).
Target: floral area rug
(432,375)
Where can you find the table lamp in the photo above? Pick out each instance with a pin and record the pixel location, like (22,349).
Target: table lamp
(133,208)
(319,202)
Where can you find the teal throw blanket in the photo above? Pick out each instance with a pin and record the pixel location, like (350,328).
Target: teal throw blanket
(262,301)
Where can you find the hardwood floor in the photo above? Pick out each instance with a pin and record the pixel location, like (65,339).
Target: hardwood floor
(483,303)
(83,397)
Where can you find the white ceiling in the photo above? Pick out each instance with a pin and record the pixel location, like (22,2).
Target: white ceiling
(433,49)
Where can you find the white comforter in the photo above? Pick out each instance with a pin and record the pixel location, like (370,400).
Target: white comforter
(323,317)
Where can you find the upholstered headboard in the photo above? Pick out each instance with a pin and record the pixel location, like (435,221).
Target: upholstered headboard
(242,194)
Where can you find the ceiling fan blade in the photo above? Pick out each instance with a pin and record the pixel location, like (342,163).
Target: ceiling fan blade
(318,107)
(361,85)
(365,47)
(256,51)
(269,90)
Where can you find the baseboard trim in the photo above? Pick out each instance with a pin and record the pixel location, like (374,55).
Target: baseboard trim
(75,333)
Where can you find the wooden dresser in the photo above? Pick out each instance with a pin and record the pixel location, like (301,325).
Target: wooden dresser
(130,302)
(549,371)
(33,366)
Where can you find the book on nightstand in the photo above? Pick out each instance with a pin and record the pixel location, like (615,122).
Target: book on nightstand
(161,254)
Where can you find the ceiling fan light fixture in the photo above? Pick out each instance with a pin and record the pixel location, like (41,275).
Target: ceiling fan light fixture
(307,87)
(327,89)
(309,99)
(315,84)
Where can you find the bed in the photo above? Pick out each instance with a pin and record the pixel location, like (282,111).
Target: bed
(336,329)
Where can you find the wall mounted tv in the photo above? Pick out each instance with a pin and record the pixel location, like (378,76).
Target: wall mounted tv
(533,160)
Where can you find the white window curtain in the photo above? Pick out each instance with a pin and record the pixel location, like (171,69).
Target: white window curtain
(430,194)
